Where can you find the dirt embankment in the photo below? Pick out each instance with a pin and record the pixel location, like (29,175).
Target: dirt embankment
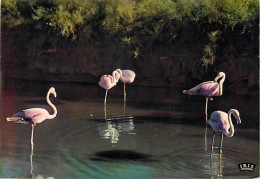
(44,56)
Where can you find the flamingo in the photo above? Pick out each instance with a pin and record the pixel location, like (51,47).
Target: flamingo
(208,89)
(126,76)
(35,115)
(108,81)
(221,121)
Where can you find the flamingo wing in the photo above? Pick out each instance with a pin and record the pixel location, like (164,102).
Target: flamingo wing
(106,81)
(33,113)
(128,76)
(208,88)
(25,116)
(37,115)
(219,121)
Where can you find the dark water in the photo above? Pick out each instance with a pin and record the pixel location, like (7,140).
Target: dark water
(161,133)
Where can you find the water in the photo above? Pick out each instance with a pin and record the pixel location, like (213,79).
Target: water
(160,134)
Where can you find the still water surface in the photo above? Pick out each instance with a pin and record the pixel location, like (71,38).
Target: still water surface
(159,134)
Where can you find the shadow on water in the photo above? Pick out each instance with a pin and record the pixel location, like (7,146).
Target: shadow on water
(121,155)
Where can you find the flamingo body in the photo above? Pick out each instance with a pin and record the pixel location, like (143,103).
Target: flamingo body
(108,81)
(127,76)
(221,121)
(35,115)
(208,89)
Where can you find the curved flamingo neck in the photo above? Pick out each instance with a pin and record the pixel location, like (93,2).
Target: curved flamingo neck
(231,132)
(122,77)
(221,84)
(116,76)
(51,116)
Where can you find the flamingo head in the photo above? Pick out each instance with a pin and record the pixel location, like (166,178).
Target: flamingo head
(117,74)
(119,71)
(52,91)
(236,115)
(220,75)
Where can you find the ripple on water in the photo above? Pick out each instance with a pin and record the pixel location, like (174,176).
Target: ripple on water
(200,162)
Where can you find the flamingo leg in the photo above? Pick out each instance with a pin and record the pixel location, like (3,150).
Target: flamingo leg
(32,137)
(220,155)
(206,109)
(220,148)
(105,100)
(31,160)
(205,138)
(213,139)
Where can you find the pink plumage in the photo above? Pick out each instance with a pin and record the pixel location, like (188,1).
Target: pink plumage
(35,115)
(126,76)
(221,121)
(108,81)
(208,89)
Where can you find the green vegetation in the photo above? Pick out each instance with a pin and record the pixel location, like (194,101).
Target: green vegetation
(137,24)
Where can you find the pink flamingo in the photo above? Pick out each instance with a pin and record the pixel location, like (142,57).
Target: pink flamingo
(35,115)
(221,121)
(108,81)
(126,76)
(208,89)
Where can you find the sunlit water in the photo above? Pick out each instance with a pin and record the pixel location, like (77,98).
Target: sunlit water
(161,133)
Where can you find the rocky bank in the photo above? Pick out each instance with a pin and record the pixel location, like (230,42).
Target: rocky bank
(39,55)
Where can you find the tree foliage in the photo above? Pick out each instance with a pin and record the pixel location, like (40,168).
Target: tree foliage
(137,23)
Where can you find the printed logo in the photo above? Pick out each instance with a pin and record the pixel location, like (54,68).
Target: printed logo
(246,167)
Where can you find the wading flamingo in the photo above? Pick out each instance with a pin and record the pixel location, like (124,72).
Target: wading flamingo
(108,81)
(35,115)
(126,76)
(208,89)
(221,121)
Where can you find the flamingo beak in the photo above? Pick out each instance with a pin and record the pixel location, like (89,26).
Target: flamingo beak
(216,79)
(54,97)
(239,120)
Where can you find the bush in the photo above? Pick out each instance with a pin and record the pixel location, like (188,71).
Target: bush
(138,24)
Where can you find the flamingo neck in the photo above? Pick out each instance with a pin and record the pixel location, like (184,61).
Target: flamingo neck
(230,133)
(51,116)
(116,76)
(122,78)
(221,84)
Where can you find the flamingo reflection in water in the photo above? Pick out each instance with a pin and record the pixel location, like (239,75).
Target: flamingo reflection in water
(32,173)
(112,128)
(208,89)
(33,116)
